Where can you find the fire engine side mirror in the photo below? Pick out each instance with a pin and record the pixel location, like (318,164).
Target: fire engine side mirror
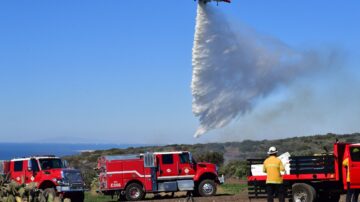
(29,165)
(149,160)
(65,164)
(190,158)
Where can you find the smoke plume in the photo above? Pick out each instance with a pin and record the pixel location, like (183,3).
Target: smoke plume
(233,71)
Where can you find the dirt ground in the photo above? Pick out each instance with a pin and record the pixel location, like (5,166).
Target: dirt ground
(218,198)
(242,196)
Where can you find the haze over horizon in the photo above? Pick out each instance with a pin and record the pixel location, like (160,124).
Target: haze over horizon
(121,72)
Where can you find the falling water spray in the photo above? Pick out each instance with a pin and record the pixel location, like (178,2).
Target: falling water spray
(232,71)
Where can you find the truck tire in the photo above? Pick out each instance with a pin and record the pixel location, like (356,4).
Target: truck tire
(41,198)
(302,192)
(207,188)
(50,193)
(134,192)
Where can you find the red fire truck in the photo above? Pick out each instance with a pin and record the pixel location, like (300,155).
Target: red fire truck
(314,178)
(49,173)
(132,176)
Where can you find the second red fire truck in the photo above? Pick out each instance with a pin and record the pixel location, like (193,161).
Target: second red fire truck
(132,176)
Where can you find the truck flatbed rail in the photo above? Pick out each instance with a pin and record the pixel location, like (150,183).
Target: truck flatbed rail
(302,168)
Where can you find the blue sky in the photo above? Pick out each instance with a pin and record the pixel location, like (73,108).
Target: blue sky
(105,71)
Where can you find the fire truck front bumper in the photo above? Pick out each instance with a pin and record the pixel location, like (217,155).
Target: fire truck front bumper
(221,179)
(70,188)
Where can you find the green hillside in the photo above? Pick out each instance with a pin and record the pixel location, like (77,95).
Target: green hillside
(230,156)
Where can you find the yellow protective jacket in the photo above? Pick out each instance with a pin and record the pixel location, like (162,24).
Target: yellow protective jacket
(272,167)
(346,164)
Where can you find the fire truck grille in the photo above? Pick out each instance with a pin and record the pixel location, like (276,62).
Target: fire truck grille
(73,177)
(76,186)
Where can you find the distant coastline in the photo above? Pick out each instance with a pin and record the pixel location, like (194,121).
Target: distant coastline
(12,150)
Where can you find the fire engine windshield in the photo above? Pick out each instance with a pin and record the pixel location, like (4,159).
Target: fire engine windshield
(47,164)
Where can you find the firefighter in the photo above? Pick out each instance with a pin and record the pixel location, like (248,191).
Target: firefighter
(352,194)
(274,182)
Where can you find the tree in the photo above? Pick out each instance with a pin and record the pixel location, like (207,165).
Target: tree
(235,169)
(211,157)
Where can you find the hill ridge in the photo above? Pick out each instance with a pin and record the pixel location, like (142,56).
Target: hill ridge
(222,153)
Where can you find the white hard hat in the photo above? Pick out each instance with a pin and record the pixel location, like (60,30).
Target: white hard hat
(272,150)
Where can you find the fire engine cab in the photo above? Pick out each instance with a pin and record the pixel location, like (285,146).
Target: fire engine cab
(132,176)
(48,173)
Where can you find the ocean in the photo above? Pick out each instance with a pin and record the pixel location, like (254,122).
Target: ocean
(12,150)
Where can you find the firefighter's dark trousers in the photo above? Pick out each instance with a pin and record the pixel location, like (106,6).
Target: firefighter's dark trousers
(352,194)
(271,189)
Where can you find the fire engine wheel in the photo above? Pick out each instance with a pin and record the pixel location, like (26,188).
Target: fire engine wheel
(42,198)
(303,193)
(50,193)
(207,188)
(134,192)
